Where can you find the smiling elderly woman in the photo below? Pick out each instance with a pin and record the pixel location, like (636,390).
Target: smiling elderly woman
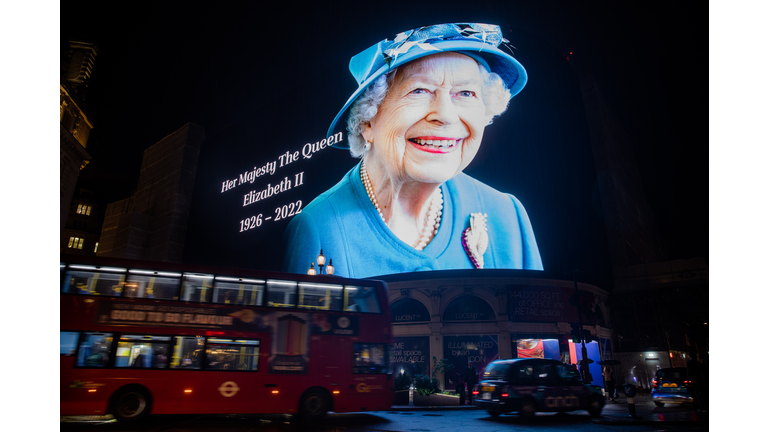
(416,121)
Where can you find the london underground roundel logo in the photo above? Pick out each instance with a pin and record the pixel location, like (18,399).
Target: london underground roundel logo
(229,389)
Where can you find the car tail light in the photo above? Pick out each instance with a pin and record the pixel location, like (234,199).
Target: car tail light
(688,383)
(476,389)
(655,383)
(505,391)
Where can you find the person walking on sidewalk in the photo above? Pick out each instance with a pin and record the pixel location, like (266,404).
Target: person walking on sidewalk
(470,377)
(609,382)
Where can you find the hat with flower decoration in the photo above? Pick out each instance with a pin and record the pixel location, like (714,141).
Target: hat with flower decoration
(479,41)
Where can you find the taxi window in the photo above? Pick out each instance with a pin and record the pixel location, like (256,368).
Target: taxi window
(496,371)
(523,374)
(546,373)
(567,373)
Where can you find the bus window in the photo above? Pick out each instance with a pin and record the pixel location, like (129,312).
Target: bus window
(93,283)
(143,351)
(94,349)
(369,358)
(239,293)
(197,288)
(229,354)
(68,343)
(187,352)
(281,293)
(157,287)
(361,299)
(320,296)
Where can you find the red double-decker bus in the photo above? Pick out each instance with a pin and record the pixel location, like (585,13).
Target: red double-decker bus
(144,337)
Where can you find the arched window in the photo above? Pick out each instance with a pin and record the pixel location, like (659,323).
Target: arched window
(469,308)
(409,310)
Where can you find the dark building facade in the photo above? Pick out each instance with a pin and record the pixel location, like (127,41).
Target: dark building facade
(75,123)
(151,224)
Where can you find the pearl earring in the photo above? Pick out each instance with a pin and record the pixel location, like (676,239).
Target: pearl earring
(367,145)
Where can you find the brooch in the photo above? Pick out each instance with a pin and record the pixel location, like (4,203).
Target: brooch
(475,238)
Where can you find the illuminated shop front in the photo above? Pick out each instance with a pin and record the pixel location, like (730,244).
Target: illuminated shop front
(482,316)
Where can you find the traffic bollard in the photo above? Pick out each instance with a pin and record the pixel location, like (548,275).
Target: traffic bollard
(630,391)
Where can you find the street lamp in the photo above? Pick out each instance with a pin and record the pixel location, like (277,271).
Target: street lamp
(320,261)
(329,269)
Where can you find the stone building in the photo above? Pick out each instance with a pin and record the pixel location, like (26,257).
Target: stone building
(75,123)
(483,315)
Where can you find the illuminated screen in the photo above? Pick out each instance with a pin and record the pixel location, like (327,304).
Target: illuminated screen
(272,191)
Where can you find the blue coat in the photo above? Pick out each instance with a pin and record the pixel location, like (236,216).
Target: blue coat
(346,226)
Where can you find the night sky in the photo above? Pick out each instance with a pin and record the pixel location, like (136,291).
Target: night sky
(168,63)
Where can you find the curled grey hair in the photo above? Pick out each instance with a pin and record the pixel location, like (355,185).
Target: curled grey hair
(495,95)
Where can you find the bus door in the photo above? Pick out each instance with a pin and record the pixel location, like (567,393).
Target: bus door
(370,367)
(219,373)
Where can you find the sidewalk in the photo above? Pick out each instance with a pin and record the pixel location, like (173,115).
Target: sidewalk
(614,413)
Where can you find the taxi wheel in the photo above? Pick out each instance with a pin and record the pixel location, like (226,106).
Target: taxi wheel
(659,404)
(595,407)
(130,404)
(314,404)
(528,409)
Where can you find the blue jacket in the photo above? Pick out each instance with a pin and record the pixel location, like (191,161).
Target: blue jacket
(346,226)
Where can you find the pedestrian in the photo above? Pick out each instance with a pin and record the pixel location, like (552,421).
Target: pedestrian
(470,378)
(460,385)
(610,383)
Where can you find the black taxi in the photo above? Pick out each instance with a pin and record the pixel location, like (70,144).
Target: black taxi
(531,384)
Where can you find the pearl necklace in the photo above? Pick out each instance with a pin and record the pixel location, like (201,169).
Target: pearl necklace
(430,224)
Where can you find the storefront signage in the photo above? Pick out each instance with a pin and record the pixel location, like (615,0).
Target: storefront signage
(409,310)
(460,350)
(411,355)
(549,304)
(468,308)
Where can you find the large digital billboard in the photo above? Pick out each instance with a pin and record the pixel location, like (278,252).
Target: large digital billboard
(446,146)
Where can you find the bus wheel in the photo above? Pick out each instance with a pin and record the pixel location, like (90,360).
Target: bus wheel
(314,404)
(130,404)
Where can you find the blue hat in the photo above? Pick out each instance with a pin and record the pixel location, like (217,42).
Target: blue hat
(479,41)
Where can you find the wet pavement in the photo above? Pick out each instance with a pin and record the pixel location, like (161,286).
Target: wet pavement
(615,413)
